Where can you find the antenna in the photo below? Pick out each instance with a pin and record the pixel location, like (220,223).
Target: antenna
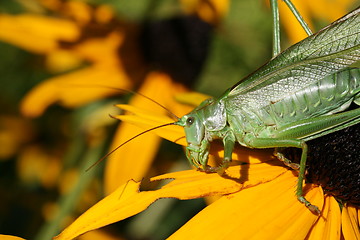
(135,93)
(127,141)
(152,100)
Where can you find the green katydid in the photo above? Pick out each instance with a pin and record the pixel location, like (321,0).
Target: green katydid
(299,95)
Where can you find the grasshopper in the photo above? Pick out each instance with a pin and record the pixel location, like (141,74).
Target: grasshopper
(301,94)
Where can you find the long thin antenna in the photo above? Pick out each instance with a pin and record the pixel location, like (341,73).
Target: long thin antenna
(152,100)
(137,135)
(136,93)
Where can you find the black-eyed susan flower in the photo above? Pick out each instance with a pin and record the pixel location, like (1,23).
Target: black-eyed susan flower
(257,199)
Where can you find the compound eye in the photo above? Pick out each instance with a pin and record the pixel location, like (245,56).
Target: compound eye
(190,121)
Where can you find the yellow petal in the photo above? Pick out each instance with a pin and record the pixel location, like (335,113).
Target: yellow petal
(62,60)
(248,175)
(211,11)
(80,11)
(267,211)
(8,237)
(134,159)
(147,120)
(127,201)
(100,235)
(36,33)
(131,161)
(334,9)
(102,50)
(350,223)
(104,14)
(74,89)
(142,112)
(328,226)
(191,98)
(53,5)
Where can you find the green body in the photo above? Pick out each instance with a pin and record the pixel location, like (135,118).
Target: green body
(301,94)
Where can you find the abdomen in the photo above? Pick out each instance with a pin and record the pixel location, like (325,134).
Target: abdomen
(330,95)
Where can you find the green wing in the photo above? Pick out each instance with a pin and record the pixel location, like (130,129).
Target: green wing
(331,49)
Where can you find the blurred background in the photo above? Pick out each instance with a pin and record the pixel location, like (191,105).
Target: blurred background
(60,61)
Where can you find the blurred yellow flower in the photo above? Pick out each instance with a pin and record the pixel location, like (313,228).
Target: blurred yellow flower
(35,165)
(211,11)
(14,132)
(74,41)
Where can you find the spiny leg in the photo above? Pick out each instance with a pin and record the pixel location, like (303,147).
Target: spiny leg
(275,143)
(279,155)
(301,177)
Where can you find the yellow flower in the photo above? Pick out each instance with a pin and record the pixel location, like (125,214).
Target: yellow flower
(258,200)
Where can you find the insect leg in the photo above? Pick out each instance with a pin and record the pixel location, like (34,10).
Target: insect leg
(298,143)
(276,23)
(229,143)
(279,155)
(276,27)
(198,156)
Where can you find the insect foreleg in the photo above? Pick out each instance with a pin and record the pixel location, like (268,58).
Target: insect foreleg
(229,143)
(198,156)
